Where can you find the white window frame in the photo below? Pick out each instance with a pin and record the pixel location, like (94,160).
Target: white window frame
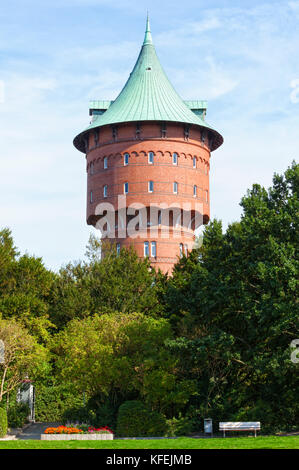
(105,163)
(150,156)
(174,158)
(149,186)
(153,249)
(105,191)
(175,187)
(194,190)
(146,249)
(181,250)
(126,157)
(159,217)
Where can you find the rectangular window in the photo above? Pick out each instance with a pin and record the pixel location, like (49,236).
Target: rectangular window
(151,157)
(126,159)
(159,217)
(175,158)
(91,197)
(105,190)
(195,190)
(153,249)
(126,188)
(105,163)
(181,250)
(186,250)
(146,249)
(150,186)
(175,187)
(91,168)
(194,162)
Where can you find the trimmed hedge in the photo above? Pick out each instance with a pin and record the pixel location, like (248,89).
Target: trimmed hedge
(3,422)
(136,420)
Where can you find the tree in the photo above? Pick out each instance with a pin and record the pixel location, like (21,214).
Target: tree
(121,354)
(235,305)
(117,282)
(25,286)
(23,358)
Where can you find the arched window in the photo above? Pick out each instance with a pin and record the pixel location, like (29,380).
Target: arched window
(105,192)
(175,187)
(146,248)
(151,157)
(126,188)
(150,186)
(126,158)
(91,168)
(194,162)
(175,158)
(105,163)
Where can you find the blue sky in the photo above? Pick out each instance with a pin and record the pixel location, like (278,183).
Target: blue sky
(242,56)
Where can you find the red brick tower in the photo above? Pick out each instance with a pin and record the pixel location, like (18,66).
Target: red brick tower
(148,160)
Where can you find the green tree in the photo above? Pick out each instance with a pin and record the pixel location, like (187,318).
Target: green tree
(23,357)
(25,287)
(235,306)
(117,282)
(121,354)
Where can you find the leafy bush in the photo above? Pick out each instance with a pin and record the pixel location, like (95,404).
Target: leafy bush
(17,415)
(52,402)
(181,426)
(136,420)
(3,422)
(79,414)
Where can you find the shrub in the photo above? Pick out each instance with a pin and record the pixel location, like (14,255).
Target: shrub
(52,402)
(3,422)
(136,420)
(180,426)
(17,415)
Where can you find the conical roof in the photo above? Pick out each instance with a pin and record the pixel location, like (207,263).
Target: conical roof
(148,96)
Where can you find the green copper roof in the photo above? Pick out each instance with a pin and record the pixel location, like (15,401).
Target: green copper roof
(147,96)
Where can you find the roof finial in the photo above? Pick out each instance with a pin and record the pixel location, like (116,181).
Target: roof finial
(148,34)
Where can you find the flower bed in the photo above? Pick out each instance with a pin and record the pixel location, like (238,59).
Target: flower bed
(84,432)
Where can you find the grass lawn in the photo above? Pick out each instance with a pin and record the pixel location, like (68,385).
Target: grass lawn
(260,442)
